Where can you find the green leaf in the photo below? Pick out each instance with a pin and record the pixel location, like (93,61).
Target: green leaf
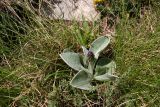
(99,45)
(85,61)
(73,60)
(85,50)
(91,65)
(82,80)
(105,62)
(90,68)
(105,77)
(105,69)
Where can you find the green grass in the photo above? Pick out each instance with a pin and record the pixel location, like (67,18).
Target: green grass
(137,55)
(32,73)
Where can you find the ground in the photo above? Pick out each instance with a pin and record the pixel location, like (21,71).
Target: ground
(33,74)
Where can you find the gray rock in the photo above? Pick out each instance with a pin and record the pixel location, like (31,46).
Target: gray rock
(78,10)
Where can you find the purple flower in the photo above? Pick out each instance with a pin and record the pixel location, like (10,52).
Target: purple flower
(90,54)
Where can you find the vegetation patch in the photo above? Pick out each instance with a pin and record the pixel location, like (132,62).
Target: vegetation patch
(32,73)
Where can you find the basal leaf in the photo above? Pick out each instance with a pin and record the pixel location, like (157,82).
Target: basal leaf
(72,59)
(106,62)
(105,77)
(85,50)
(99,45)
(105,69)
(82,80)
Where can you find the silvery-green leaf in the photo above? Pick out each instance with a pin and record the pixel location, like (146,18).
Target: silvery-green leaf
(72,59)
(85,58)
(85,61)
(106,62)
(85,51)
(104,76)
(91,65)
(82,80)
(99,45)
(90,68)
(105,69)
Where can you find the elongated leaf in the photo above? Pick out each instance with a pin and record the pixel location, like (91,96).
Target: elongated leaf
(85,51)
(72,59)
(90,68)
(105,77)
(106,62)
(99,45)
(105,69)
(82,81)
(85,58)
(91,65)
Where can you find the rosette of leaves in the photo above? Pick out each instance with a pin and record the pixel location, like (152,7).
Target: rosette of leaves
(89,65)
